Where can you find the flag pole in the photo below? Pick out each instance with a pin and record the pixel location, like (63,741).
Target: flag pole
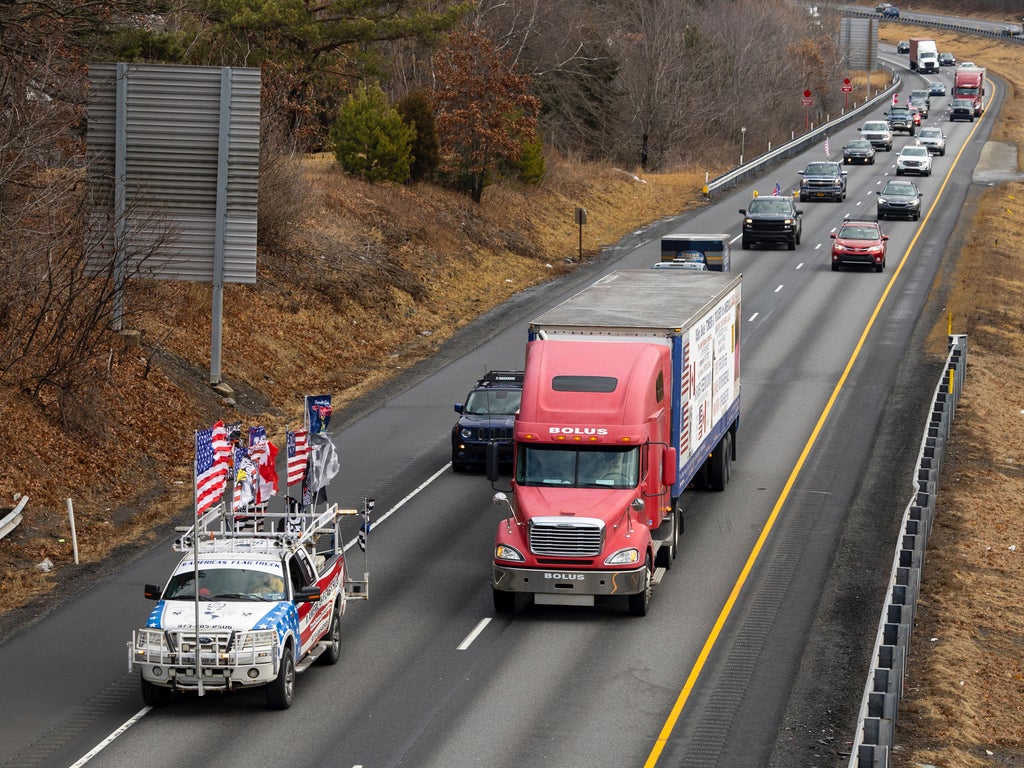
(195,561)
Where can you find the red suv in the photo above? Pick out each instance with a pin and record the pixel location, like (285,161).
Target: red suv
(859,242)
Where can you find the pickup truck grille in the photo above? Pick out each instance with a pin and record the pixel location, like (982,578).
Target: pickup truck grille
(566,537)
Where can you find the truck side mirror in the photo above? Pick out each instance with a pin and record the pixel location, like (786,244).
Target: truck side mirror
(151,592)
(492,462)
(669,460)
(307,594)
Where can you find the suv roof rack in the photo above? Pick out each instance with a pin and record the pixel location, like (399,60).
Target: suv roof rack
(501,378)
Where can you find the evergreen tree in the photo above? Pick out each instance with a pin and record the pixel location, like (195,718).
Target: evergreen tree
(370,139)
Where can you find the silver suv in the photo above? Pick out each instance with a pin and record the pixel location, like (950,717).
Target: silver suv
(934,139)
(878,133)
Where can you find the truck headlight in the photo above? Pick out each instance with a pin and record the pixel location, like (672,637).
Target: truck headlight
(505,552)
(624,557)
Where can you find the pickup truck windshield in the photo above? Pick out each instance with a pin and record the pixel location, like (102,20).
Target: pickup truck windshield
(578,466)
(227,584)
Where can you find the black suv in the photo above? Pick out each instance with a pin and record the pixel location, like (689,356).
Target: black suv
(772,219)
(487,416)
(823,179)
(900,119)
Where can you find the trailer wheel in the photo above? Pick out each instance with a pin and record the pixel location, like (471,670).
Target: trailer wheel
(155,695)
(504,602)
(718,461)
(334,637)
(641,601)
(281,692)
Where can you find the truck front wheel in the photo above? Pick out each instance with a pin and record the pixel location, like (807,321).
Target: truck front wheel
(155,695)
(504,602)
(641,601)
(281,692)
(667,553)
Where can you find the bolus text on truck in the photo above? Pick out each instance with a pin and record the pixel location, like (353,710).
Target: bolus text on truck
(631,393)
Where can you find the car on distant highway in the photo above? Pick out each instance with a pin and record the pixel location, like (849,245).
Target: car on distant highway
(938,88)
(878,133)
(859,243)
(947,60)
(914,158)
(933,139)
(899,199)
(892,12)
(903,46)
(858,151)
(961,109)
(772,219)
(968,65)
(921,100)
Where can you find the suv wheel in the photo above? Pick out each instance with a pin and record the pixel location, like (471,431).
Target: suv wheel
(745,244)
(792,243)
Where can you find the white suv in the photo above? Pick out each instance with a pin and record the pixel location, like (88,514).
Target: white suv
(878,133)
(914,159)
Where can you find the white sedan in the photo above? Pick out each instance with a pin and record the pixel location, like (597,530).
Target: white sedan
(914,159)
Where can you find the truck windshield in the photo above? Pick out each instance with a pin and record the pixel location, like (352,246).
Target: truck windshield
(227,584)
(578,466)
(496,402)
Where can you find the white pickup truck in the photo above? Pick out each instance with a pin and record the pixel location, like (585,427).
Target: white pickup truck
(267,599)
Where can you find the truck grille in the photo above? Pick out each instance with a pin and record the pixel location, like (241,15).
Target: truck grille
(562,537)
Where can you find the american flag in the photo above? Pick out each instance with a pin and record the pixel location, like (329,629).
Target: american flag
(827,153)
(298,450)
(777,190)
(212,458)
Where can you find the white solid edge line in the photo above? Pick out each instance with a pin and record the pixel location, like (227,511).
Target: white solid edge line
(107,741)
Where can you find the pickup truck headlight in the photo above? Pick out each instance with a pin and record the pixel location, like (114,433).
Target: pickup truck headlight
(624,557)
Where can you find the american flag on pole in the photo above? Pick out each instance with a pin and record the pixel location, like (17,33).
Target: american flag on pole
(212,459)
(298,451)
(828,154)
(777,190)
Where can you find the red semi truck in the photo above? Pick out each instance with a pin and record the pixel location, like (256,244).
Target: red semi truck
(969,83)
(631,392)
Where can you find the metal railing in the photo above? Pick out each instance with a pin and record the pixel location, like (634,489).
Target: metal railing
(799,144)
(876,721)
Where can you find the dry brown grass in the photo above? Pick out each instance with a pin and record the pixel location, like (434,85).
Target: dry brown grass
(963,699)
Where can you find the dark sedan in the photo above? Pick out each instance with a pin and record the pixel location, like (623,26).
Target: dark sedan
(938,88)
(947,60)
(859,151)
(899,199)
